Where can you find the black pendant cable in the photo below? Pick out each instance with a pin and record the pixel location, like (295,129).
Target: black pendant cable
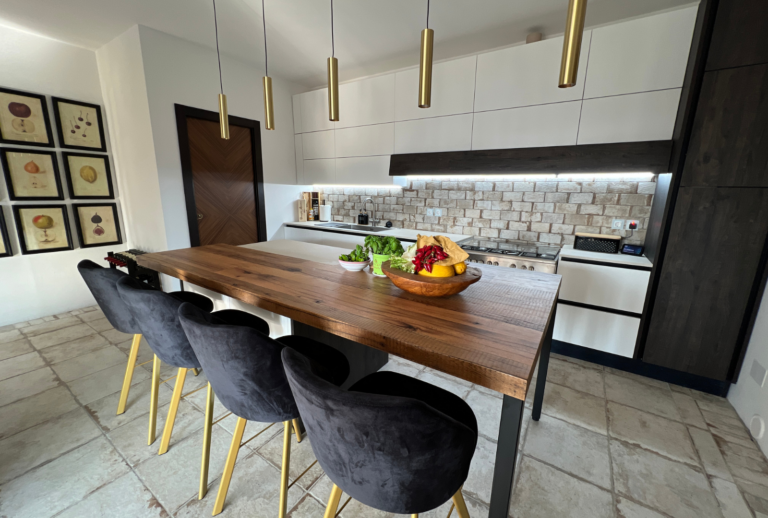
(223,116)
(333,78)
(269,113)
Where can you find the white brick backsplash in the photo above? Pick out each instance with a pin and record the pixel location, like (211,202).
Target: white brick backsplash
(510,215)
(581,197)
(568,187)
(482,204)
(562,229)
(514,225)
(540,227)
(634,199)
(549,217)
(622,187)
(489,232)
(646,188)
(529,236)
(534,196)
(499,223)
(617,211)
(556,197)
(472,213)
(546,186)
(457,195)
(484,186)
(640,212)
(606,199)
(566,208)
(512,196)
(544,207)
(524,186)
(491,214)
(555,239)
(577,219)
(597,187)
(590,209)
(522,205)
(492,195)
(509,234)
(501,205)
(586,229)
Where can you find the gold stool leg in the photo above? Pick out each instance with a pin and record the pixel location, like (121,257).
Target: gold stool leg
(461,506)
(129,373)
(229,467)
(333,502)
(206,444)
(196,371)
(170,419)
(153,400)
(284,470)
(297,429)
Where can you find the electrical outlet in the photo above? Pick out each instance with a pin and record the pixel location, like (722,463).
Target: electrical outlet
(438,212)
(431,212)
(630,222)
(617,224)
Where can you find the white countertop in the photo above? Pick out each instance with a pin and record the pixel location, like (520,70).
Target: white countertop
(400,233)
(630,260)
(300,250)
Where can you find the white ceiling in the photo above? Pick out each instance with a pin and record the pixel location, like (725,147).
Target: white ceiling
(372,36)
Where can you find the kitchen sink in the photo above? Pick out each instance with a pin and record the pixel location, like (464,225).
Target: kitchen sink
(365,228)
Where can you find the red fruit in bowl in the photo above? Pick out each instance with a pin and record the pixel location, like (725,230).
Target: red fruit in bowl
(20,110)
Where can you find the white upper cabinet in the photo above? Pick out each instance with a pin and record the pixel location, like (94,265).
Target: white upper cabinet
(320,144)
(366,170)
(369,101)
(299,159)
(526,75)
(453,90)
(314,111)
(629,118)
(546,125)
(322,171)
(378,139)
(640,55)
(297,113)
(452,133)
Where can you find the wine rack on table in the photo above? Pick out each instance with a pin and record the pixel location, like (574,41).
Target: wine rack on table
(128,260)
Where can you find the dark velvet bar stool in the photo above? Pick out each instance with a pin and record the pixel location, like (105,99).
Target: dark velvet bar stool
(391,442)
(244,367)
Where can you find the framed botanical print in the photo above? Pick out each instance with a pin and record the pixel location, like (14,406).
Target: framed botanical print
(24,119)
(31,174)
(79,124)
(88,176)
(42,228)
(5,244)
(97,224)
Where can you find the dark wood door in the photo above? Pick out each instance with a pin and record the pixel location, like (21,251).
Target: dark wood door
(222,178)
(739,36)
(716,249)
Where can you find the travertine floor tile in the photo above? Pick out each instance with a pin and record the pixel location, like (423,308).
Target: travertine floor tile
(629,509)
(115,336)
(478,484)
(689,410)
(26,385)
(101,324)
(487,411)
(730,499)
(577,361)
(731,425)
(302,457)
(635,377)
(46,327)
(640,395)
(124,497)
(61,336)
(103,383)
(710,455)
(91,315)
(576,407)
(104,410)
(400,368)
(308,507)
(69,350)
(11,335)
(15,348)
(20,365)
(575,376)
(81,366)
(34,410)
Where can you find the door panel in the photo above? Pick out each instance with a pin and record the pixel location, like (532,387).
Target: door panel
(716,241)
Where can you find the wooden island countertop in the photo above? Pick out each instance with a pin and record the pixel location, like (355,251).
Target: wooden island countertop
(491,334)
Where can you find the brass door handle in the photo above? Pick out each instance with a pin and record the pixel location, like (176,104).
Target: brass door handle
(199,216)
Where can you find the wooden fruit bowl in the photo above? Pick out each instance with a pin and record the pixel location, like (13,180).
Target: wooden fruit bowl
(431,286)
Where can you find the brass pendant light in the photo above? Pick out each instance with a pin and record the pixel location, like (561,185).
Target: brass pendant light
(425,65)
(223,115)
(333,78)
(269,113)
(574,30)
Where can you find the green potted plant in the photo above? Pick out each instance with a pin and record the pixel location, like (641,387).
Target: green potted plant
(381,247)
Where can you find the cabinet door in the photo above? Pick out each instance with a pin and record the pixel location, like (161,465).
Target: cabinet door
(738,38)
(452,133)
(526,75)
(319,144)
(297,113)
(314,111)
(641,55)
(320,172)
(369,101)
(453,90)
(629,118)
(365,170)
(299,159)
(714,250)
(604,286)
(378,139)
(607,332)
(729,142)
(533,126)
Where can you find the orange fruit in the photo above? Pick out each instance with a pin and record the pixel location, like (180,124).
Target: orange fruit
(439,271)
(460,268)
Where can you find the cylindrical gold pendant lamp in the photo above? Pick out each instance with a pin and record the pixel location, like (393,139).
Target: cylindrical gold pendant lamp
(333,78)
(574,30)
(269,112)
(425,65)
(223,115)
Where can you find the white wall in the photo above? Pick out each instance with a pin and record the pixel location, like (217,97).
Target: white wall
(747,397)
(32,286)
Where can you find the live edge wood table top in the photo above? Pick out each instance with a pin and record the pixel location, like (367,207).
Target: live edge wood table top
(490,334)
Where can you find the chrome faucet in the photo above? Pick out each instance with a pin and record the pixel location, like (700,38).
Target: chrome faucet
(374,221)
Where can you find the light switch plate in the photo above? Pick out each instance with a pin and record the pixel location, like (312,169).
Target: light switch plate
(430,212)
(438,212)
(617,224)
(757,373)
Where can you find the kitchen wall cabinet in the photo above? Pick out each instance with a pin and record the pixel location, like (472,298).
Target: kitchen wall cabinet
(320,171)
(629,118)
(297,124)
(640,55)
(319,144)
(453,90)
(606,332)
(314,111)
(532,126)
(738,38)
(716,240)
(365,170)
(378,139)
(368,101)
(299,153)
(453,133)
(526,75)
(728,142)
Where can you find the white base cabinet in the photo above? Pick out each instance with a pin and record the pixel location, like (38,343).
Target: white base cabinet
(323,238)
(607,332)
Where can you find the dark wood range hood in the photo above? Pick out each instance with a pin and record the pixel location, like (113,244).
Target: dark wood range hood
(622,157)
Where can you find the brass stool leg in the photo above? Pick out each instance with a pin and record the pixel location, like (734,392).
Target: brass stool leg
(333,502)
(153,400)
(284,470)
(129,373)
(461,506)
(170,419)
(297,429)
(206,443)
(229,467)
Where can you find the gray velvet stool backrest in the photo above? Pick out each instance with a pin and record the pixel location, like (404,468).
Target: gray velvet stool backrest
(394,454)
(243,366)
(157,316)
(103,285)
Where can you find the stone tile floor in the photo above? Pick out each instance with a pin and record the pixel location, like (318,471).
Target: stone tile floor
(610,444)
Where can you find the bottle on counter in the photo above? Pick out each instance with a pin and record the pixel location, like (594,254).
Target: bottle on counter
(362,218)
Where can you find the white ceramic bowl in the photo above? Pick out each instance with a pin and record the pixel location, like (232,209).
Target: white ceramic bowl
(354,266)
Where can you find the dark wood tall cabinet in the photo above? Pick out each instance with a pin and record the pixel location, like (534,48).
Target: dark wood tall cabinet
(710,265)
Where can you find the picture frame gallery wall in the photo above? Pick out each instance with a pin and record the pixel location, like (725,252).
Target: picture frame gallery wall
(33,162)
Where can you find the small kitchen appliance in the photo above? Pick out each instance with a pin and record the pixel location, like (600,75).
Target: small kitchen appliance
(512,254)
(597,243)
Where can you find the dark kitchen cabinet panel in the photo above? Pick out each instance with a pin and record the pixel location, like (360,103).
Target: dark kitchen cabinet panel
(739,35)
(729,143)
(716,243)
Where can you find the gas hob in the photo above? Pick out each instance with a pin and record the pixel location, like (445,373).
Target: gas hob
(512,254)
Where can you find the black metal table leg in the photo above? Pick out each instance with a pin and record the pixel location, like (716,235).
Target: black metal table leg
(506,454)
(538,397)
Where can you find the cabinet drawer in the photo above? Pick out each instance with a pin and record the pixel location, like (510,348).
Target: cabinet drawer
(604,286)
(607,332)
